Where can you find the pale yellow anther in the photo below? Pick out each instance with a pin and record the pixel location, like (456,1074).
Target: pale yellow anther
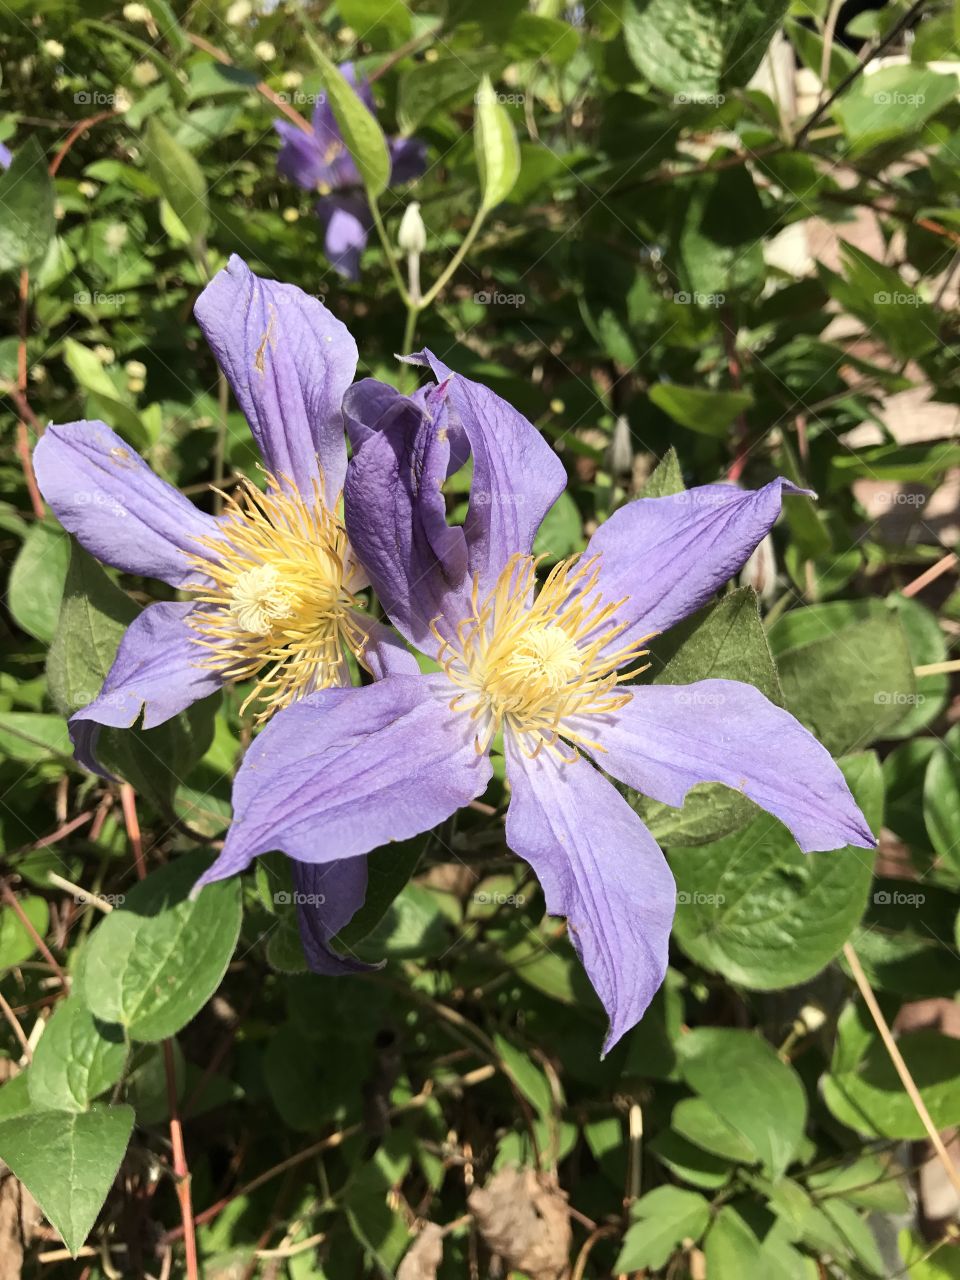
(536,664)
(277,592)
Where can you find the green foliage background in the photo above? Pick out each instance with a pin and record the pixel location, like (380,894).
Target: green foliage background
(618,286)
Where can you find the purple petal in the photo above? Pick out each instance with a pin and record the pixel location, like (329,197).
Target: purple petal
(329,894)
(300,159)
(370,406)
(346,770)
(157,671)
(669,555)
(385,654)
(118,509)
(601,868)
(517,477)
(408,158)
(6,156)
(345,220)
(289,362)
(670,737)
(396,520)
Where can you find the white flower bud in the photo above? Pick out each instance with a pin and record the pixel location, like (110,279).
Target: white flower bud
(292,79)
(106,355)
(620,452)
(137,13)
(135,369)
(121,99)
(265,51)
(412,235)
(760,571)
(54,48)
(87,189)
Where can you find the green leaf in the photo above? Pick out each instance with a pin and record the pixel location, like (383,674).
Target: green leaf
(16,943)
(870,1098)
(68,1161)
(561,531)
(708,412)
(731,1249)
(890,103)
(689,1162)
(431,86)
(93,617)
(845,669)
(105,397)
(361,132)
(941,798)
(695,1120)
(661,1221)
(666,479)
(526,1076)
(866,1181)
(179,177)
(741,1077)
(498,156)
(927,645)
(691,48)
(154,962)
(27,219)
(36,580)
(76,1060)
(388,871)
(32,737)
(766,915)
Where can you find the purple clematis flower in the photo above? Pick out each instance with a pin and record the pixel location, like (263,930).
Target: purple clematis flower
(347,770)
(320,161)
(6,156)
(274,581)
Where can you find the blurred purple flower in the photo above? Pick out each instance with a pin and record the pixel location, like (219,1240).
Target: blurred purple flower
(6,157)
(347,770)
(320,161)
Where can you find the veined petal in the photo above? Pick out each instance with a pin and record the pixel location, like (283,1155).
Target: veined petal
(104,493)
(601,868)
(396,520)
(329,894)
(670,737)
(156,671)
(289,362)
(370,406)
(346,770)
(669,555)
(517,477)
(385,654)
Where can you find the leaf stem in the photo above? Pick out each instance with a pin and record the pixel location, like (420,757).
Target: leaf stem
(388,252)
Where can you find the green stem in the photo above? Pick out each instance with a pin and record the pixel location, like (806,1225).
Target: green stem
(457,258)
(410,328)
(388,251)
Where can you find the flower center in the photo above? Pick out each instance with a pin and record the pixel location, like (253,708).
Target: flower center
(536,663)
(277,596)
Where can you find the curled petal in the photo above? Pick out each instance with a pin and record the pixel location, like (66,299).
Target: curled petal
(329,894)
(104,493)
(346,770)
(670,737)
(289,362)
(346,224)
(601,868)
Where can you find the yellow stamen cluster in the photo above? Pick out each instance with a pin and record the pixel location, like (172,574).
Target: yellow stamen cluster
(277,596)
(532,662)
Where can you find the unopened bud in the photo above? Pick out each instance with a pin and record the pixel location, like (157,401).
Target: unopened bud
(137,13)
(412,236)
(135,369)
(54,48)
(760,571)
(238,13)
(620,452)
(265,51)
(145,73)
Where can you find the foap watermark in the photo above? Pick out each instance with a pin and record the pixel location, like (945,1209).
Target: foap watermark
(699,99)
(690,697)
(96,98)
(297,98)
(96,498)
(697,299)
(84,298)
(897,698)
(897,98)
(697,899)
(487,498)
(99,899)
(494,298)
(897,299)
(297,899)
(899,499)
(485,898)
(898,898)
